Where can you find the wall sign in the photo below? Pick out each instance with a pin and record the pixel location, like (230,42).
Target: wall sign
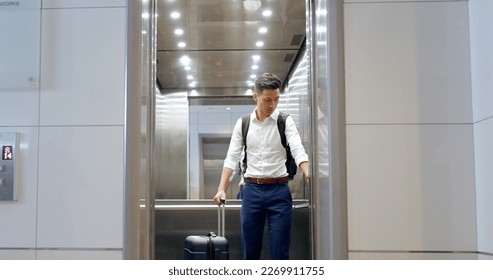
(19,43)
(9,165)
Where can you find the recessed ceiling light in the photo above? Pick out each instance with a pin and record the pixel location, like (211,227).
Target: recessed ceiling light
(256,57)
(175,15)
(253,76)
(252,5)
(185,60)
(189,77)
(179,31)
(259,44)
(182,44)
(262,30)
(254,67)
(267,13)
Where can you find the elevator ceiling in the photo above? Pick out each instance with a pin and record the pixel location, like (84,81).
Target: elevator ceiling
(218,47)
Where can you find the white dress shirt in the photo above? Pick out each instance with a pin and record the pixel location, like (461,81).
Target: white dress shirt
(266,157)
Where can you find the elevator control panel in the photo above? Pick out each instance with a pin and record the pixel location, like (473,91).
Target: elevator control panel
(9,160)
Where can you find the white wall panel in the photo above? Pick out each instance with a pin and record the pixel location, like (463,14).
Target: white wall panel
(82,67)
(481,23)
(485,257)
(215,129)
(17,254)
(412,256)
(80,187)
(407,62)
(482,86)
(483,139)
(216,117)
(20,107)
(411,187)
(193,118)
(79,255)
(49,4)
(397,1)
(18,218)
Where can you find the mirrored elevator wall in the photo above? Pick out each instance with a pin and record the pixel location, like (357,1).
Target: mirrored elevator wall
(295,102)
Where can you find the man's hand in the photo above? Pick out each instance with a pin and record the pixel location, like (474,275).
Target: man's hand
(306,170)
(220,195)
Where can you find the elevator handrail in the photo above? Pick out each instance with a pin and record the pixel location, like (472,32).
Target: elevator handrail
(184,204)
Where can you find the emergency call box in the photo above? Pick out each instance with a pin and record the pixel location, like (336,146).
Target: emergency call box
(9,161)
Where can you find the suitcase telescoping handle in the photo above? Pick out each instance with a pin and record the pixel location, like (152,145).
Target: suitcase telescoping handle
(221,216)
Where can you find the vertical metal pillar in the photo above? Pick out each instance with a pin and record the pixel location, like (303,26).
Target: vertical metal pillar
(138,231)
(328,194)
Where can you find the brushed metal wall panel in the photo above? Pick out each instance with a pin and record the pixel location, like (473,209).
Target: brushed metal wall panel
(171,146)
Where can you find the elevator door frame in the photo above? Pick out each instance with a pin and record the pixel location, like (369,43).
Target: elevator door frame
(328,227)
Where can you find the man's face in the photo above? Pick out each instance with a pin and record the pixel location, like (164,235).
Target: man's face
(267,101)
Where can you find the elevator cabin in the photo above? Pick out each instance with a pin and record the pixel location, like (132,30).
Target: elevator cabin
(204,56)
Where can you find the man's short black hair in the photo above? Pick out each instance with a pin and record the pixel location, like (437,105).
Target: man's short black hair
(267,81)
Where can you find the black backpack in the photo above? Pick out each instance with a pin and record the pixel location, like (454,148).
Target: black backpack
(281,126)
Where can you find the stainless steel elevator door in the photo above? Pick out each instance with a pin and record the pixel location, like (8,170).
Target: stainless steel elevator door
(214,150)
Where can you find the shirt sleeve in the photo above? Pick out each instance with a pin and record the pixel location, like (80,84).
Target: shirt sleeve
(233,156)
(294,140)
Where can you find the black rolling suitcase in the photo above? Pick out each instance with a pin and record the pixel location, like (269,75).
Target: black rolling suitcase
(210,246)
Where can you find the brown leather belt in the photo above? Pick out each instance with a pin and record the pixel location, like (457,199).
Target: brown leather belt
(266,181)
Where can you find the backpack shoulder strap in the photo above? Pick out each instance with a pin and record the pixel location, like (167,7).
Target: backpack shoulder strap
(245,124)
(281,126)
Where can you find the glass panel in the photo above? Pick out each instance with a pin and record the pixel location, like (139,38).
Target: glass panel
(19,45)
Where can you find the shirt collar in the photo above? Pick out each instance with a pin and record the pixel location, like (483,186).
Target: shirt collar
(274,115)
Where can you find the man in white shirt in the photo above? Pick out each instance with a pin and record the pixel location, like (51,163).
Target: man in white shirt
(266,195)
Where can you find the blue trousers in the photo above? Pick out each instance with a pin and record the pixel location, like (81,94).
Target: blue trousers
(271,203)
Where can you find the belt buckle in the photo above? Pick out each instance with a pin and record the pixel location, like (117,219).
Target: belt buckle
(258,181)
